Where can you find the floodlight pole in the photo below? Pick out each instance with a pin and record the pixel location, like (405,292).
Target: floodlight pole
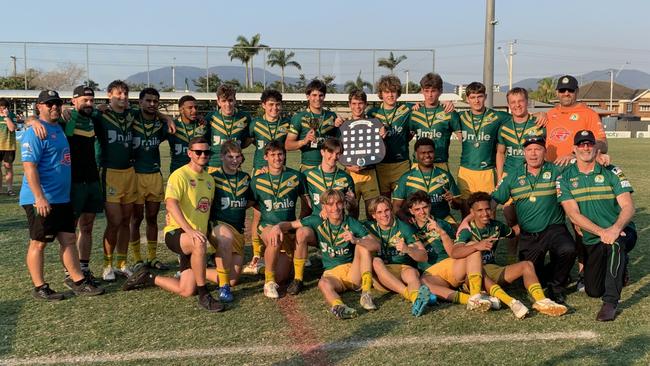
(488,52)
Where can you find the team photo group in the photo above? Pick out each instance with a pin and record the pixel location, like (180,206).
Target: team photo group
(373,198)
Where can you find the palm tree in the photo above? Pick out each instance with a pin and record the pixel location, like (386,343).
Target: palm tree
(329,83)
(545,90)
(282,59)
(240,53)
(391,62)
(251,48)
(358,84)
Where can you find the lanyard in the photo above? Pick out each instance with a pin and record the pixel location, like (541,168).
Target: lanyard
(185,130)
(389,122)
(477,235)
(386,240)
(480,124)
(332,238)
(275,190)
(426,115)
(267,126)
(523,131)
(534,184)
(322,175)
(427,183)
(231,124)
(234,190)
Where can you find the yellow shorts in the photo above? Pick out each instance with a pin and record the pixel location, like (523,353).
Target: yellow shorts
(238,238)
(119,185)
(366,185)
(444,270)
(341,274)
(496,273)
(397,269)
(389,174)
(149,187)
(288,241)
(470,181)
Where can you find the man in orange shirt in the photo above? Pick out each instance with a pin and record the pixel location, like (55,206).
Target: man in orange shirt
(567,118)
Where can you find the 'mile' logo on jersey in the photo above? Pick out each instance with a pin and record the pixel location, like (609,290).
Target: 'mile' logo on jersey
(435,134)
(227,203)
(482,136)
(279,205)
(113,136)
(153,142)
(394,130)
(179,149)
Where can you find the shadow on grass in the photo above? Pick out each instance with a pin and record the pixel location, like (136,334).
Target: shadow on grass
(638,295)
(629,352)
(9,311)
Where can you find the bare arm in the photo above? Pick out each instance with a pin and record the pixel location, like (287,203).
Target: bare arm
(573,211)
(368,242)
(292,142)
(417,252)
(463,250)
(500,160)
(11,126)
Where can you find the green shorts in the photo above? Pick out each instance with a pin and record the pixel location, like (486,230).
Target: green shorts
(86,198)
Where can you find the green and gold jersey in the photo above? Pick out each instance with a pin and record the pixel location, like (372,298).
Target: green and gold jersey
(494,229)
(231,198)
(263,132)
(224,128)
(318,182)
(7,138)
(432,242)
(388,238)
(534,197)
(512,135)
(323,123)
(147,137)
(179,141)
(115,136)
(480,138)
(80,131)
(595,193)
(436,183)
(437,125)
(398,134)
(277,195)
(335,250)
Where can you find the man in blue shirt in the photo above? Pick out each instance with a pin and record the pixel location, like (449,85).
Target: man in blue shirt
(45,196)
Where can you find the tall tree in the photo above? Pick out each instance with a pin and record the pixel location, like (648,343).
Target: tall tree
(545,91)
(240,53)
(282,59)
(329,83)
(391,61)
(359,84)
(201,85)
(246,51)
(92,84)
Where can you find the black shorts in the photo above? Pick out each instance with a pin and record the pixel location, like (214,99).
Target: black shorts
(45,229)
(173,242)
(8,156)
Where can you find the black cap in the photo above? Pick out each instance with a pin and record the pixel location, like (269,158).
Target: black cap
(584,136)
(567,82)
(539,140)
(48,96)
(82,90)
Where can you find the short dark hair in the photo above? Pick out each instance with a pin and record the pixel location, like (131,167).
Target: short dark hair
(274,145)
(197,140)
(316,85)
(424,141)
(416,197)
(186,98)
(478,197)
(271,94)
(117,84)
(225,91)
(431,80)
(358,94)
(4,102)
(150,91)
(517,90)
(230,146)
(331,144)
(475,88)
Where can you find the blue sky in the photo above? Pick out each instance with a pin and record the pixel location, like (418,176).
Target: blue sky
(553,36)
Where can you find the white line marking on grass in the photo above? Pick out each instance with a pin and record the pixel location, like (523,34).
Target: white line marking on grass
(270,350)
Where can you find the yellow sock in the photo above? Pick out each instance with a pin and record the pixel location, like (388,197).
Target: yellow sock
(108,260)
(152,245)
(224,276)
(298,268)
(475,280)
(120,260)
(366,281)
(134,247)
(257,247)
(535,290)
(413,295)
(269,276)
(498,292)
(337,302)
(460,298)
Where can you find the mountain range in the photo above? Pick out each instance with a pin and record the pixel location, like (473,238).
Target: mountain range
(634,79)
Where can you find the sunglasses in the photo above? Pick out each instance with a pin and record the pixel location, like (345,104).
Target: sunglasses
(585,144)
(52,104)
(202,152)
(564,90)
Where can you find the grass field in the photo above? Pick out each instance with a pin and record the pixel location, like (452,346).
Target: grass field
(155,327)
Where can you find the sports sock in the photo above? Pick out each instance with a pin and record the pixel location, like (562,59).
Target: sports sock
(498,292)
(535,290)
(459,298)
(257,247)
(152,245)
(366,281)
(298,268)
(475,280)
(120,260)
(224,277)
(134,247)
(85,264)
(108,260)
(411,296)
(337,302)
(269,276)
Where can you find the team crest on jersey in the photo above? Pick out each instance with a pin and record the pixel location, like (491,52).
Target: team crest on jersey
(209,185)
(27,147)
(574,117)
(574,184)
(290,184)
(200,130)
(559,134)
(203,205)
(66,157)
(599,178)
(192,183)
(522,182)
(546,175)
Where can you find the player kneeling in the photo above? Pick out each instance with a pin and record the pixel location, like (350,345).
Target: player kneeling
(482,236)
(346,249)
(396,265)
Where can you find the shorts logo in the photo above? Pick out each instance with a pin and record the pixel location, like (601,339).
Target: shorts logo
(574,117)
(599,178)
(559,134)
(203,204)
(546,175)
(111,191)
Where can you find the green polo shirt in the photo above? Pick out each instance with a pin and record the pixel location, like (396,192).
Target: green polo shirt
(494,229)
(310,153)
(480,138)
(389,237)
(335,250)
(436,182)
(437,125)
(595,193)
(534,197)
(319,181)
(512,135)
(398,134)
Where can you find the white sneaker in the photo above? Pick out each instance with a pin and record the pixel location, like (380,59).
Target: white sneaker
(366,301)
(519,309)
(495,304)
(479,302)
(271,290)
(254,266)
(123,271)
(108,274)
(549,307)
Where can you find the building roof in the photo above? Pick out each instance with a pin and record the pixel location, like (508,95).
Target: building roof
(599,90)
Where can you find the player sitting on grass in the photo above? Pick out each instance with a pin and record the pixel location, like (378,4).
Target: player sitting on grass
(440,273)
(346,249)
(482,235)
(396,265)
